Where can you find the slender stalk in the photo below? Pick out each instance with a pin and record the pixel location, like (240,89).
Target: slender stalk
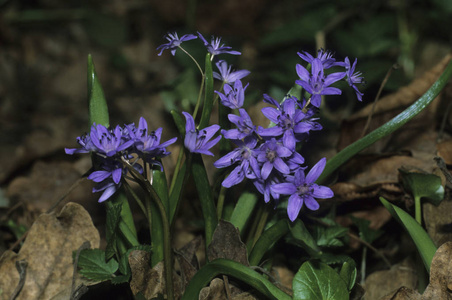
(137,199)
(198,102)
(220,202)
(176,170)
(166,228)
(418,209)
(261,225)
(192,58)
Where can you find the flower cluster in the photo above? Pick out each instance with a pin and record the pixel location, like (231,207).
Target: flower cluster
(111,146)
(268,156)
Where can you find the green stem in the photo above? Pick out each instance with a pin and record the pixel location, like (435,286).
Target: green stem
(176,170)
(261,225)
(137,199)
(198,102)
(220,202)
(418,209)
(389,127)
(166,228)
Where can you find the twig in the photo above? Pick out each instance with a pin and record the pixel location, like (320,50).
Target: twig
(21,267)
(81,289)
(383,83)
(370,247)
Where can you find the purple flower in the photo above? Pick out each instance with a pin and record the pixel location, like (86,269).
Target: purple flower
(271,155)
(148,143)
(215,48)
(226,75)
(290,122)
(244,155)
(264,187)
(354,77)
(85,142)
(245,126)
(303,190)
(326,58)
(233,97)
(109,142)
(198,141)
(317,83)
(174,42)
(108,178)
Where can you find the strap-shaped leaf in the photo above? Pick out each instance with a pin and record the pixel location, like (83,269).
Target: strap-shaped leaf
(205,194)
(243,209)
(98,109)
(236,270)
(421,239)
(389,127)
(267,239)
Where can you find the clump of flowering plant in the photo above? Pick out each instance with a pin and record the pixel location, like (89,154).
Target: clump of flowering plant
(270,158)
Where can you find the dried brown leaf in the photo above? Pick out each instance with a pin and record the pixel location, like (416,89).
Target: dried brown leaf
(226,243)
(48,251)
(440,274)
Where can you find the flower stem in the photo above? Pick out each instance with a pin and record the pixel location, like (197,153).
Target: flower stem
(417,209)
(198,102)
(220,202)
(166,228)
(192,58)
(261,225)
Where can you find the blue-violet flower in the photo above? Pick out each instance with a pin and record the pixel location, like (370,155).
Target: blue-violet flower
(226,75)
(198,141)
(215,48)
(174,42)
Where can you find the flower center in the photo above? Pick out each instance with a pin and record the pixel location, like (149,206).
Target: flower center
(270,155)
(304,189)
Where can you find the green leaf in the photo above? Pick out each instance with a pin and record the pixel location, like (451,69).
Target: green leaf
(161,188)
(367,234)
(316,280)
(93,266)
(388,127)
(267,239)
(98,109)
(120,279)
(329,236)
(301,237)
(236,270)
(176,192)
(112,224)
(205,196)
(209,94)
(348,273)
(243,209)
(423,186)
(421,239)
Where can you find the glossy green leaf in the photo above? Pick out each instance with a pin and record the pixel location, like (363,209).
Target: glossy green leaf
(267,239)
(98,109)
(209,94)
(389,127)
(421,239)
(348,273)
(318,281)
(205,194)
(126,224)
(423,186)
(243,209)
(236,270)
(93,266)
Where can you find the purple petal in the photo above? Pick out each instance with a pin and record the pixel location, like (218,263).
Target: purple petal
(316,170)
(285,188)
(190,123)
(99,176)
(322,192)
(235,177)
(271,113)
(266,169)
(116,175)
(311,203)
(294,206)
(302,72)
(108,193)
(281,166)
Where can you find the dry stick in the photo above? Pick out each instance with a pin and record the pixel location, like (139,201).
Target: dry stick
(21,267)
(73,186)
(370,247)
(227,288)
(383,83)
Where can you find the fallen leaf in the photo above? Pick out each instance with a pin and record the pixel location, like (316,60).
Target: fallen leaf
(226,243)
(440,274)
(382,283)
(48,252)
(147,280)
